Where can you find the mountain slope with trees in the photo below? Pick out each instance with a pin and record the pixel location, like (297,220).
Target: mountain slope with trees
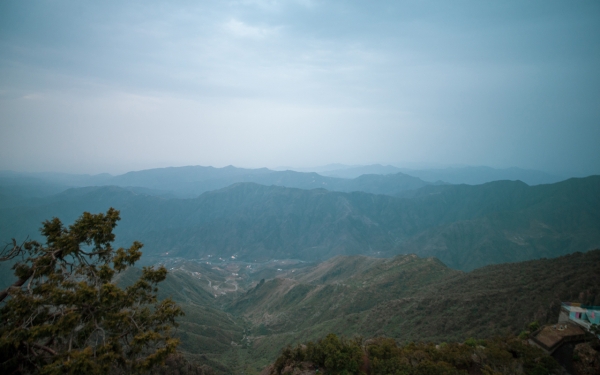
(464,226)
(416,300)
(406,298)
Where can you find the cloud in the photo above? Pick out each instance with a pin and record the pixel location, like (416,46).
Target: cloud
(243,30)
(275,5)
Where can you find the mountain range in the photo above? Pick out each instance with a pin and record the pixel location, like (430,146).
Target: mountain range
(470,175)
(190,182)
(464,226)
(257,267)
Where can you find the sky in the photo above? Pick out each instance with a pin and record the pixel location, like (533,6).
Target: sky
(114,86)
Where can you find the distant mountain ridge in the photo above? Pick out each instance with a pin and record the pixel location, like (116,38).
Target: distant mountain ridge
(190,182)
(356,171)
(464,226)
(481,175)
(470,175)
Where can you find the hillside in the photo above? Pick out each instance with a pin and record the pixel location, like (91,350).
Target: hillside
(427,291)
(383,356)
(331,289)
(406,298)
(464,226)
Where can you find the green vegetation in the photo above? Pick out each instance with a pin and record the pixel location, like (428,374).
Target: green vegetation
(65,314)
(383,356)
(220,245)
(413,298)
(333,354)
(406,298)
(463,226)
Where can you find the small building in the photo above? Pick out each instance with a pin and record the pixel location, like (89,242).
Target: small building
(583,315)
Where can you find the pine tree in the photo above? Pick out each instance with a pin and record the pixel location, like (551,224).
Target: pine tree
(66,314)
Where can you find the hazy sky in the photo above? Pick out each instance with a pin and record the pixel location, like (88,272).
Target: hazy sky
(112,86)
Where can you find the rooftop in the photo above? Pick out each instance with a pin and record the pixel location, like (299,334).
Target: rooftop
(551,336)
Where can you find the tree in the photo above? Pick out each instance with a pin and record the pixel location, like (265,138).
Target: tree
(66,313)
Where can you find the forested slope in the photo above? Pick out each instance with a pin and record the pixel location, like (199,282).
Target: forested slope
(463,226)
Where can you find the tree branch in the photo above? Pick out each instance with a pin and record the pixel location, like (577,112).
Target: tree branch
(44,348)
(19,283)
(9,254)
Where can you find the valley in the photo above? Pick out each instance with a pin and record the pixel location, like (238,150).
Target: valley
(406,298)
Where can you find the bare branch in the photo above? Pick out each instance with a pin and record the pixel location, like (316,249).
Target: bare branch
(31,278)
(19,283)
(7,254)
(44,348)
